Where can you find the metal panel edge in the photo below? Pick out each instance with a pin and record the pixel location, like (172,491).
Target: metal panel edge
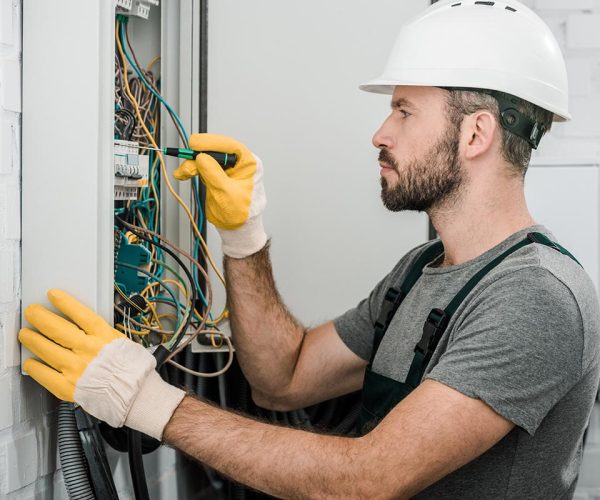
(67,152)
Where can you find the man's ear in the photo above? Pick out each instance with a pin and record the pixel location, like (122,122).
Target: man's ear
(479,132)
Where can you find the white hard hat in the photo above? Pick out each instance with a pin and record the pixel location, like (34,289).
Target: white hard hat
(499,46)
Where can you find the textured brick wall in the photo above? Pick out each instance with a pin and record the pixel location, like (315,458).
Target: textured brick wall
(27,458)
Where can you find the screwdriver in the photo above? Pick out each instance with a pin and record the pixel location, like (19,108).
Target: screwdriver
(224,159)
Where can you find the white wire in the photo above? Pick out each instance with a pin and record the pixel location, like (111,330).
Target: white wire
(213,374)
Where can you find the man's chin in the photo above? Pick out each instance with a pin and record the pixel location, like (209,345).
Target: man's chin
(389,202)
(394,203)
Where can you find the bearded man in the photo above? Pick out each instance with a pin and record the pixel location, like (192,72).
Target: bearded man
(477,355)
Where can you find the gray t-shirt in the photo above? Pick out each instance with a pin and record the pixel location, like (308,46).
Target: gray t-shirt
(525,341)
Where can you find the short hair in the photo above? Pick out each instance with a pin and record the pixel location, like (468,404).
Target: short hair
(515,150)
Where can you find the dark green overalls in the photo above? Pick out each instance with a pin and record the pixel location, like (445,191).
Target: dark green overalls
(380,394)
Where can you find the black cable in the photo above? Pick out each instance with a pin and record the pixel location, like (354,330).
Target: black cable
(161,354)
(129,126)
(93,448)
(136,465)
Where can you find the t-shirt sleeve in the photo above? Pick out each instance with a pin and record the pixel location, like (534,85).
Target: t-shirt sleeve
(519,347)
(356,326)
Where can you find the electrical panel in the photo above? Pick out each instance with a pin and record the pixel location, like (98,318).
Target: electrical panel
(125,109)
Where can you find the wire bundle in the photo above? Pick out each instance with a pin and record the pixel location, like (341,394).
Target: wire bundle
(175,306)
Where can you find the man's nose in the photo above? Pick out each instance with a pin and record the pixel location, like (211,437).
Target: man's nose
(382,137)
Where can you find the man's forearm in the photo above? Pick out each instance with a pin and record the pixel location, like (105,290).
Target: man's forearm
(267,337)
(284,462)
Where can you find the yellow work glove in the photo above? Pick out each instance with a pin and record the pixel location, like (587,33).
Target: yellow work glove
(90,363)
(235,198)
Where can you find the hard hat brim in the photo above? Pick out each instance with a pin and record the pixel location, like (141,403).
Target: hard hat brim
(382,86)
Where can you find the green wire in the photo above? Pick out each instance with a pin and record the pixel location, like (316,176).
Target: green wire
(177,275)
(189,306)
(156,278)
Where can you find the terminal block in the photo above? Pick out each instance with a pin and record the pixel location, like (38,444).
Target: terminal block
(124,4)
(136,8)
(131,170)
(140,9)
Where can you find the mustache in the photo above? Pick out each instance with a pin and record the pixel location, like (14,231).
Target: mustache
(386,157)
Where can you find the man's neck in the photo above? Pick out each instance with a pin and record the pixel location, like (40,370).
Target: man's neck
(478,222)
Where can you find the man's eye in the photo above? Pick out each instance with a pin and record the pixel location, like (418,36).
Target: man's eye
(405,114)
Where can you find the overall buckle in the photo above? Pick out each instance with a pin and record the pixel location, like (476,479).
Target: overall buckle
(388,308)
(434,327)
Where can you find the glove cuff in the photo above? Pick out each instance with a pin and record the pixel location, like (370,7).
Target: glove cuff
(154,406)
(247,239)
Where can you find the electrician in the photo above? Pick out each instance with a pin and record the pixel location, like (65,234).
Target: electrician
(477,354)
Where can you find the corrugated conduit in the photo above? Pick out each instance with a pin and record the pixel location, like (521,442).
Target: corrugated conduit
(72,460)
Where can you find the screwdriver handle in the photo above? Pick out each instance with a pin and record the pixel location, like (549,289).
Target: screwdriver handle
(224,159)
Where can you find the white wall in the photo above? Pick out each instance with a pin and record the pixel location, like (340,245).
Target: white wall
(283,78)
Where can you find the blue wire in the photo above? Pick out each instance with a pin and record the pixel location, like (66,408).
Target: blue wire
(185,134)
(195,276)
(158,96)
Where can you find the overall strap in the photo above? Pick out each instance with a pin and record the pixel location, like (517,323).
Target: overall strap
(394,297)
(438,319)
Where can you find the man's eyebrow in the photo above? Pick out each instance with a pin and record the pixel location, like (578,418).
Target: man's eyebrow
(401,102)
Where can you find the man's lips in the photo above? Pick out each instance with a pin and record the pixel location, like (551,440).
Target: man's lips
(385,165)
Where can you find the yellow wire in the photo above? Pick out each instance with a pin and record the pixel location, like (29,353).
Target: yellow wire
(224,315)
(147,289)
(156,316)
(214,344)
(160,158)
(179,285)
(152,63)
(121,328)
(162,162)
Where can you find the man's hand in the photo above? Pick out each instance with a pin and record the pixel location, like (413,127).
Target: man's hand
(235,198)
(90,363)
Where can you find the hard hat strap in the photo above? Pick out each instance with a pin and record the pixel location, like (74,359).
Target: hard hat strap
(516,122)
(511,118)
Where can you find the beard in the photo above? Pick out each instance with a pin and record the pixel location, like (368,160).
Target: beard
(428,182)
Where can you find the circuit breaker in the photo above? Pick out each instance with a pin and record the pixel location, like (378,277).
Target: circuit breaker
(131,170)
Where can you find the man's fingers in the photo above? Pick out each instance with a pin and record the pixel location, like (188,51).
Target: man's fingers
(53,354)
(186,170)
(208,168)
(52,380)
(53,326)
(90,322)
